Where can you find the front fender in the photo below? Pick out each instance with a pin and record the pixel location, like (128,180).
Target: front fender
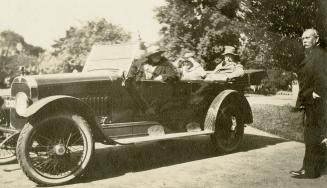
(61,103)
(37,106)
(245,108)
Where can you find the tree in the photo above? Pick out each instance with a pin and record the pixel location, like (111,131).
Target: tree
(271,28)
(266,32)
(15,52)
(282,23)
(75,46)
(202,26)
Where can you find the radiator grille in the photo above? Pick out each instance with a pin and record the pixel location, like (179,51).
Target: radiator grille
(100,105)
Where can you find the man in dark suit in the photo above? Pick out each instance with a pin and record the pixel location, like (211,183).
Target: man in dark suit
(312,99)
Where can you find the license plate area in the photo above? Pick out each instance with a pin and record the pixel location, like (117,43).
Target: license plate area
(9,102)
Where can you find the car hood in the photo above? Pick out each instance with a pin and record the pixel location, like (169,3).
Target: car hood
(69,77)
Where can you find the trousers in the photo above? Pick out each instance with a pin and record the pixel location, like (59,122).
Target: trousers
(314,125)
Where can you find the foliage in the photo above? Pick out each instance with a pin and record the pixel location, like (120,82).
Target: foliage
(50,63)
(285,17)
(266,32)
(200,26)
(77,43)
(282,23)
(277,80)
(16,52)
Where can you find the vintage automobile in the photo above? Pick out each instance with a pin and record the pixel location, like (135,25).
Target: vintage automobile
(55,120)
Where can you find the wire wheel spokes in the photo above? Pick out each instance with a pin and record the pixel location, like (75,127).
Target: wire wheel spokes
(6,151)
(229,128)
(228,133)
(7,147)
(57,155)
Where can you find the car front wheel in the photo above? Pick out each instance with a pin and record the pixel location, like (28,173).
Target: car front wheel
(229,128)
(56,149)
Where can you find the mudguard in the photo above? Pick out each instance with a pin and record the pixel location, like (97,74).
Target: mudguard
(210,119)
(70,101)
(38,105)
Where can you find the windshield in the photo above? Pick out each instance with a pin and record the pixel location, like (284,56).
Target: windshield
(115,58)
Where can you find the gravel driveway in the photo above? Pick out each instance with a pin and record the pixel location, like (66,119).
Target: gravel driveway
(263,160)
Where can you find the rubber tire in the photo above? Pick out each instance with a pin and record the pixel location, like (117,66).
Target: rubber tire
(228,106)
(11,158)
(26,135)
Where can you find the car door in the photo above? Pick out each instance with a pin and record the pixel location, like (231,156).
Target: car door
(165,102)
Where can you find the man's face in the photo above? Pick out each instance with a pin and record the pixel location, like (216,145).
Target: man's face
(155,58)
(309,39)
(229,58)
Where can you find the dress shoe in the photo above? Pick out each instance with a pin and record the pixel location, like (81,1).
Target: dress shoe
(302,174)
(305,176)
(297,172)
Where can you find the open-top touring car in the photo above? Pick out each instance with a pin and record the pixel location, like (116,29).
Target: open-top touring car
(53,121)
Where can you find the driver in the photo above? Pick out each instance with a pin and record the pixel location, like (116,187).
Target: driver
(153,67)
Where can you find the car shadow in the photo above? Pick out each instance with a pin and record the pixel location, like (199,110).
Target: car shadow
(116,161)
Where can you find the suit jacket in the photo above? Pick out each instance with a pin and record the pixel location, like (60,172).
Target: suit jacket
(232,69)
(313,78)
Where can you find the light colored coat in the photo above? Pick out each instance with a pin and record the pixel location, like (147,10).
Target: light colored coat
(231,69)
(196,72)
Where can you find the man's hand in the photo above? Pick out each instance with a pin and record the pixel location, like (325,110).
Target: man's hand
(298,109)
(315,95)
(324,142)
(158,78)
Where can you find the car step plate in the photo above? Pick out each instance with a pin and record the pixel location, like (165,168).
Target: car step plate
(161,137)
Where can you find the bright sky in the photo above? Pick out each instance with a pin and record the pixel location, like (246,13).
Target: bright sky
(41,22)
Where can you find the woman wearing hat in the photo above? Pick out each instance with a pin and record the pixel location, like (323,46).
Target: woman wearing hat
(231,66)
(191,69)
(153,67)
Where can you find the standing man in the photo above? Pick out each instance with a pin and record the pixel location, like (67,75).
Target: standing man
(312,99)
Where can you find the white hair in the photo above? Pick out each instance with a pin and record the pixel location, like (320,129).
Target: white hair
(313,31)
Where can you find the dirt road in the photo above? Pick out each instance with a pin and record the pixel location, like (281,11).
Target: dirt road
(263,160)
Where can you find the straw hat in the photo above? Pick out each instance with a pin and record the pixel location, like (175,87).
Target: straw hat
(189,54)
(230,50)
(154,50)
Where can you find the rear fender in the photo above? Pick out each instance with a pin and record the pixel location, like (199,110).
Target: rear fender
(59,103)
(245,109)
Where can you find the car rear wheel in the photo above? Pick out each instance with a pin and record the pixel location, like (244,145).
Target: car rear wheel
(7,147)
(55,150)
(229,128)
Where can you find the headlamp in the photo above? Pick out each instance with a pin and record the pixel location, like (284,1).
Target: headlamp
(21,103)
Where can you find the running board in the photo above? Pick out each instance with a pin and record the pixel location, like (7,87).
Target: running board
(142,139)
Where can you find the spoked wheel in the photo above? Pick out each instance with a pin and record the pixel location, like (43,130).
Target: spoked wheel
(55,150)
(229,128)
(8,143)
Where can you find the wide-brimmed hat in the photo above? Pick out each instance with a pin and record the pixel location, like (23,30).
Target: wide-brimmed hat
(154,50)
(189,54)
(230,50)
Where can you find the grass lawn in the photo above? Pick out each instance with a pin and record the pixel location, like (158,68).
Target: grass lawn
(278,120)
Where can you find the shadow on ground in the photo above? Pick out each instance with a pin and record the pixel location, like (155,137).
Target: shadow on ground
(116,161)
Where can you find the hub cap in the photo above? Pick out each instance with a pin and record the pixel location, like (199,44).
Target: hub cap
(60,149)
